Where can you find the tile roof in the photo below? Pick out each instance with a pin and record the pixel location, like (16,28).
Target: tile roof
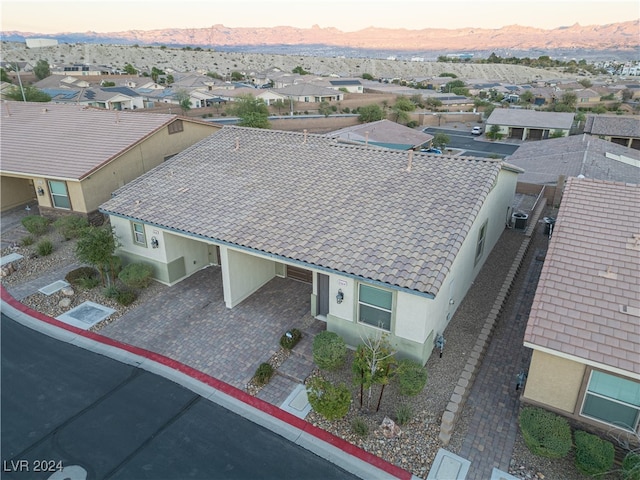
(616,126)
(530,118)
(383,131)
(68,141)
(347,208)
(591,275)
(543,161)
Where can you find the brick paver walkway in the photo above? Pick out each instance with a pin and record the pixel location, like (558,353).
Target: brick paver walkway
(190,323)
(493,398)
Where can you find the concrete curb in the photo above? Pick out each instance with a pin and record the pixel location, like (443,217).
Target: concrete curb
(474,361)
(324,444)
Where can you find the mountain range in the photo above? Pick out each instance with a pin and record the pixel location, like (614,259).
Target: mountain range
(618,37)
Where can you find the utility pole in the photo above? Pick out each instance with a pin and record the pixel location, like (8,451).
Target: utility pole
(24,99)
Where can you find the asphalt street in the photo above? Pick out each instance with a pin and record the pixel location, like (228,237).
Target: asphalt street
(463,140)
(68,413)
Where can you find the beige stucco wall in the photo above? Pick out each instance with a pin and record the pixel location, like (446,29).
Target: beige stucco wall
(243,274)
(87,196)
(15,192)
(554,381)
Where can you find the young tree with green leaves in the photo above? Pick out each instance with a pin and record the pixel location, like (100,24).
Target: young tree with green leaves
(31,94)
(184,100)
(401,109)
(253,112)
(96,246)
(440,140)
(324,109)
(370,113)
(41,70)
(279,105)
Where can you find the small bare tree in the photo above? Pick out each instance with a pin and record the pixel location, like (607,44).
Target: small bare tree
(372,365)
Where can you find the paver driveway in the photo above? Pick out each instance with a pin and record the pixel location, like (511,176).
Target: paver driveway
(190,323)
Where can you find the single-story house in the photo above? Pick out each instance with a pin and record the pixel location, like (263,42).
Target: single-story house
(577,155)
(584,324)
(308,92)
(384,133)
(70,158)
(389,240)
(623,130)
(529,124)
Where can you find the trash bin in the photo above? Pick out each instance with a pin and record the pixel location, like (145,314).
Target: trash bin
(519,220)
(549,222)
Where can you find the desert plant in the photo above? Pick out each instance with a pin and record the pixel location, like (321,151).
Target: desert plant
(594,456)
(412,377)
(87,283)
(70,226)
(82,272)
(631,466)
(111,291)
(26,241)
(330,401)
(290,339)
(125,297)
(95,247)
(136,275)
(44,248)
(360,427)
(372,366)
(545,434)
(329,350)
(403,414)
(263,374)
(35,224)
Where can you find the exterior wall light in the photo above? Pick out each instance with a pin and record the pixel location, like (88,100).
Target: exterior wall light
(40,191)
(154,242)
(339,296)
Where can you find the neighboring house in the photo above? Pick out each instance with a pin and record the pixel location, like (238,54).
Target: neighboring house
(584,324)
(70,158)
(108,98)
(389,240)
(587,96)
(623,130)
(307,92)
(384,133)
(351,85)
(529,124)
(577,155)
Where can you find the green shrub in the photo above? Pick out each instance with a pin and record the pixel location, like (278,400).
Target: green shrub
(291,340)
(74,276)
(403,414)
(594,456)
(330,401)
(136,275)
(329,350)
(412,377)
(26,241)
(44,248)
(360,427)
(71,226)
(263,374)
(631,466)
(35,224)
(545,434)
(87,283)
(126,297)
(111,291)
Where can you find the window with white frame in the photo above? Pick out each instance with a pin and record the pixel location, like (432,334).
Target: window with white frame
(139,237)
(374,306)
(613,400)
(482,235)
(59,194)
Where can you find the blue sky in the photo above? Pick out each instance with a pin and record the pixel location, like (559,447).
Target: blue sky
(49,16)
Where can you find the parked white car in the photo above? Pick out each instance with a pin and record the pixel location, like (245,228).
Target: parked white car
(476,131)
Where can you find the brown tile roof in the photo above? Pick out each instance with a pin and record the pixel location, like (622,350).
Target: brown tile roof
(530,118)
(613,126)
(347,208)
(68,141)
(385,132)
(591,277)
(543,161)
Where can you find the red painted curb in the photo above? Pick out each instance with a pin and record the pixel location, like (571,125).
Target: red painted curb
(218,385)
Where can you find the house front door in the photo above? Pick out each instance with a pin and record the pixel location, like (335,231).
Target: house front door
(323,295)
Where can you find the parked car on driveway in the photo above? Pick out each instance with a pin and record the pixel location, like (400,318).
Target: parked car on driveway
(476,131)
(432,150)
